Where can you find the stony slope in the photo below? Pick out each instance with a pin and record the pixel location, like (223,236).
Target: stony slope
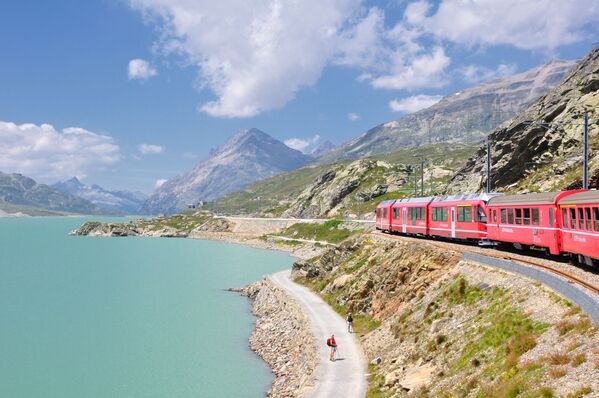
(122,201)
(467,116)
(21,193)
(540,149)
(435,326)
(248,156)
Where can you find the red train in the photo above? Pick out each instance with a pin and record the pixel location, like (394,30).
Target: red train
(561,223)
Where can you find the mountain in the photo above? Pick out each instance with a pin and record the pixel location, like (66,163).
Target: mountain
(23,194)
(248,156)
(540,149)
(122,201)
(322,149)
(466,117)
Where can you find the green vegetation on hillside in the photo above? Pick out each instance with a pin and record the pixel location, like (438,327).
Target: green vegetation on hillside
(328,231)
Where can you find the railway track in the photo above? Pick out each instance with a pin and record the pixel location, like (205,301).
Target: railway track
(502,256)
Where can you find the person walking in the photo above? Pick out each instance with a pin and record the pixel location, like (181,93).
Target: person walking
(333,345)
(350,323)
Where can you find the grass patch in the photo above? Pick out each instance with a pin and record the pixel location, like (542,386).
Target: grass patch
(556,373)
(580,326)
(581,392)
(579,360)
(328,231)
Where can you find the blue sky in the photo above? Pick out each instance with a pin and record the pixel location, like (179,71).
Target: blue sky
(206,70)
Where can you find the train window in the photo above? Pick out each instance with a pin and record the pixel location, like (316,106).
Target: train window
(503,216)
(587,211)
(518,216)
(464,213)
(573,218)
(395,213)
(535,216)
(385,213)
(482,217)
(596,218)
(510,216)
(378,213)
(565,218)
(434,214)
(421,213)
(551,217)
(494,216)
(444,214)
(580,218)
(526,217)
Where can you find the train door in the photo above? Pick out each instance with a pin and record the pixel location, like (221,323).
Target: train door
(404,220)
(453,222)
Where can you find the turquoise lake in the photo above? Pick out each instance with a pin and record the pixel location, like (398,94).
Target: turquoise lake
(125,317)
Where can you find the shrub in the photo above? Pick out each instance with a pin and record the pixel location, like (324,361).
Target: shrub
(579,360)
(558,358)
(556,373)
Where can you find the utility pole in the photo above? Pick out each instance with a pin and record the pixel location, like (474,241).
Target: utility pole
(585,154)
(488,165)
(415,184)
(421,177)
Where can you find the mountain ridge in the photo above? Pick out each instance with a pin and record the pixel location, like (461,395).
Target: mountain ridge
(122,201)
(247,156)
(464,117)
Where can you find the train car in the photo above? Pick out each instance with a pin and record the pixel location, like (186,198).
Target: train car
(409,216)
(460,216)
(527,221)
(383,215)
(579,221)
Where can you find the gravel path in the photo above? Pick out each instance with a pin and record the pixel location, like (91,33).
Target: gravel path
(346,377)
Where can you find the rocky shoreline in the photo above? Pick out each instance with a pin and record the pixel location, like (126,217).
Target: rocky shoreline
(282,338)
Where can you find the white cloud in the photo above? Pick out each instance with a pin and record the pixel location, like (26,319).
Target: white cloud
(476,73)
(301,144)
(414,103)
(160,182)
(140,69)
(420,71)
(255,56)
(149,149)
(531,24)
(353,116)
(44,153)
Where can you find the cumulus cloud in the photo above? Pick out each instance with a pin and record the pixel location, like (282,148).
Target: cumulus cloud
(140,69)
(160,182)
(255,56)
(353,116)
(414,103)
(476,73)
(302,144)
(44,153)
(149,149)
(531,24)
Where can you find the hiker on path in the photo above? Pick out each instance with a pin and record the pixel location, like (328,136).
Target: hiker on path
(333,344)
(350,323)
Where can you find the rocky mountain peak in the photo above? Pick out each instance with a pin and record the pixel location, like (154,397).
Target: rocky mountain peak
(247,156)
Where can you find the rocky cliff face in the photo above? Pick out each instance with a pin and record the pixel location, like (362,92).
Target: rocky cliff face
(248,156)
(540,149)
(121,201)
(19,190)
(342,187)
(467,116)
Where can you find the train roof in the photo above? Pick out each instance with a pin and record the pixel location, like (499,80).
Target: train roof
(581,197)
(387,202)
(540,198)
(426,199)
(468,196)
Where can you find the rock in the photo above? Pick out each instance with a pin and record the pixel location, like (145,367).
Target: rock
(341,281)
(376,361)
(416,377)
(435,326)
(392,378)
